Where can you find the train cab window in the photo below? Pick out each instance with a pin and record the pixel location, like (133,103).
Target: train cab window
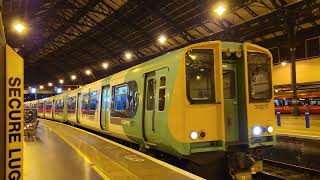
(288,102)
(259,75)
(162,93)
(85,103)
(71,105)
(200,75)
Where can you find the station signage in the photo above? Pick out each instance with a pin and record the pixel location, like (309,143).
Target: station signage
(14,116)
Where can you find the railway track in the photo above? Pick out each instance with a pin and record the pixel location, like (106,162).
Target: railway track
(280,170)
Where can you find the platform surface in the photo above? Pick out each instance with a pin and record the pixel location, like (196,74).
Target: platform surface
(109,159)
(47,156)
(296,125)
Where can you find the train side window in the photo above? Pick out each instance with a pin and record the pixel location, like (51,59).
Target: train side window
(71,104)
(162,93)
(85,103)
(59,106)
(150,94)
(120,96)
(93,102)
(125,100)
(48,106)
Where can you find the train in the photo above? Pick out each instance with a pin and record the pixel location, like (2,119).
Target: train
(194,103)
(308,86)
(307,102)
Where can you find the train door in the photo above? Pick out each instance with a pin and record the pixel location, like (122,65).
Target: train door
(154,105)
(78,108)
(231,102)
(105,104)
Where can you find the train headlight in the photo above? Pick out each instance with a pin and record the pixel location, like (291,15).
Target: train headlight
(270,129)
(193,135)
(257,130)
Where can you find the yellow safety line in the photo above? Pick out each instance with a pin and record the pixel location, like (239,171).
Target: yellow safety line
(169,166)
(85,157)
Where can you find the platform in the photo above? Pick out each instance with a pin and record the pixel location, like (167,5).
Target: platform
(295,126)
(66,152)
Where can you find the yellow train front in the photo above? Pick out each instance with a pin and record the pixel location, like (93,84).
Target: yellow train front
(223,103)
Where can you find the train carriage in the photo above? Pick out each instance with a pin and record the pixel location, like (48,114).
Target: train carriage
(205,98)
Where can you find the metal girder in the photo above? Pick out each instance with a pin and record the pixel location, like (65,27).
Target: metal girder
(150,7)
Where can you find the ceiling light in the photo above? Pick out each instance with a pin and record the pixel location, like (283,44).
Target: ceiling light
(88,72)
(61,81)
(105,65)
(59,90)
(128,55)
(162,39)
(33,90)
(50,84)
(19,27)
(220,10)
(41,87)
(284,63)
(73,77)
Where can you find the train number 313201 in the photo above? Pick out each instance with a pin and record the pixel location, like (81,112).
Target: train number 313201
(261,106)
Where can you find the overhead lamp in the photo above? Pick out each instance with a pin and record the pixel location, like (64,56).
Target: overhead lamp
(284,63)
(69,89)
(220,10)
(88,72)
(59,90)
(19,27)
(162,39)
(128,55)
(73,77)
(33,90)
(50,84)
(105,65)
(41,87)
(61,81)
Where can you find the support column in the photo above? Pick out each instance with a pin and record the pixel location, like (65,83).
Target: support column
(291,29)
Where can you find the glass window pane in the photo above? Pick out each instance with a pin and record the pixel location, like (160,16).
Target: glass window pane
(71,105)
(259,74)
(93,100)
(150,94)
(200,75)
(162,93)
(229,84)
(85,103)
(121,98)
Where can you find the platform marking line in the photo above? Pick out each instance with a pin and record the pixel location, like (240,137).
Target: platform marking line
(95,167)
(60,132)
(169,166)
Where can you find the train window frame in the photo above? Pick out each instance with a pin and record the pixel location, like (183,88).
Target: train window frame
(73,102)
(211,99)
(85,111)
(96,99)
(269,63)
(151,104)
(131,100)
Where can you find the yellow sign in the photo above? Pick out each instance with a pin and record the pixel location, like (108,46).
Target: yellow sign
(14,114)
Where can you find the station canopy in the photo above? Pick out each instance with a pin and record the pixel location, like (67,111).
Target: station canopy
(66,37)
